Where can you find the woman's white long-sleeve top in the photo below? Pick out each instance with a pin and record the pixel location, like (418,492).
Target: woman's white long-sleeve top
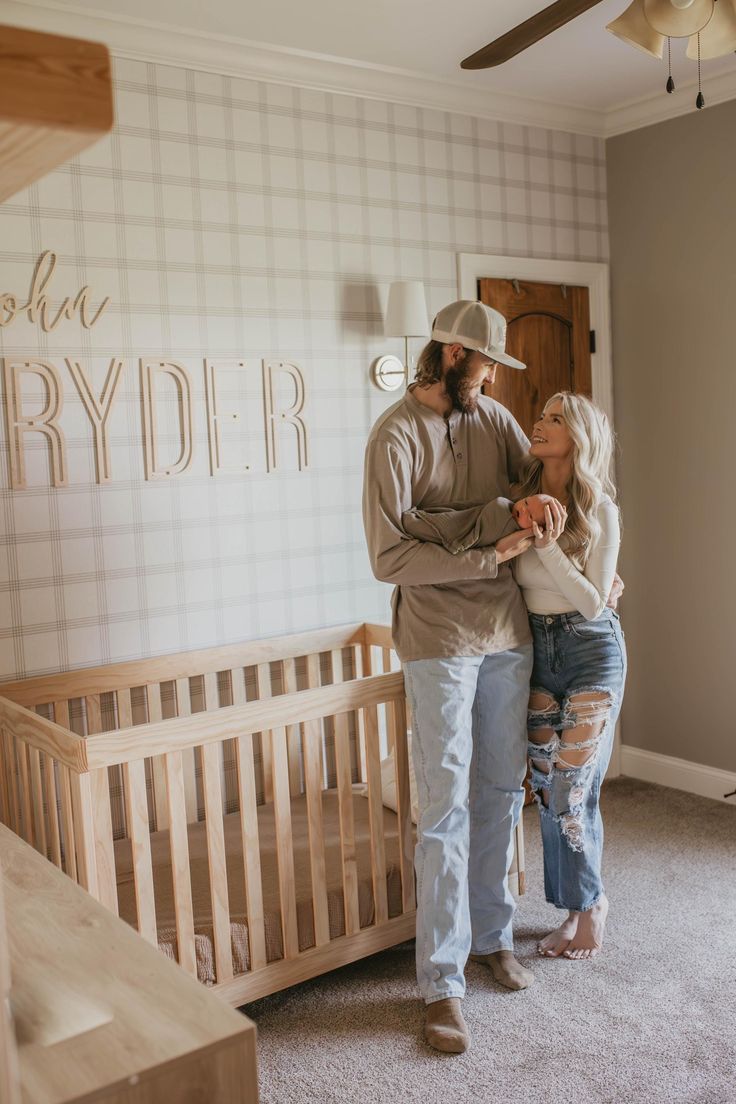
(551,582)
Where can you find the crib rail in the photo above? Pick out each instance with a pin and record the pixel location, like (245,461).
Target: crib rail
(93,681)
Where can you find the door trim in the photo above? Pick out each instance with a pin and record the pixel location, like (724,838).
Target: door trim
(591,274)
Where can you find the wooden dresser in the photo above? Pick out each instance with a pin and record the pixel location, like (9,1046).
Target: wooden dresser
(98,1013)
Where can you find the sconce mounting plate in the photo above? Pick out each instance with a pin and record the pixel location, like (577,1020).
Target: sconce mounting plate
(388,373)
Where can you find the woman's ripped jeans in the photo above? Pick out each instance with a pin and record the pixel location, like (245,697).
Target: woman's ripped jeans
(576,691)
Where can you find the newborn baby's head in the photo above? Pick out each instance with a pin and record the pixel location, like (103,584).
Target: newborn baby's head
(528,510)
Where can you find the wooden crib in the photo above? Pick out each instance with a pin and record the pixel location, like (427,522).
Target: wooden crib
(212,799)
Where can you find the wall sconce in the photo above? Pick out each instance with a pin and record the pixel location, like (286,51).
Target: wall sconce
(406,316)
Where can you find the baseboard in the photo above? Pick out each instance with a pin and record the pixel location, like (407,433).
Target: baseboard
(695,778)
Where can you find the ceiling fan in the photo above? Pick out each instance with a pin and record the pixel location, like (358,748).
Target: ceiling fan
(710,25)
(527,33)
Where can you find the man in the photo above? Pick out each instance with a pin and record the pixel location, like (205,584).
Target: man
(460,628)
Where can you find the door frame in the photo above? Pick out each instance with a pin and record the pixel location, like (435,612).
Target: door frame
(591,274)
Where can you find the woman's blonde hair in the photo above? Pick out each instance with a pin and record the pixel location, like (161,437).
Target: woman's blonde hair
(592,454)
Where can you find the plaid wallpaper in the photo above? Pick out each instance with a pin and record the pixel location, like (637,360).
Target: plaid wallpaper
(240,220)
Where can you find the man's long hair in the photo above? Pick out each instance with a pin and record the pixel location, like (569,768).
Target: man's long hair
(429,364)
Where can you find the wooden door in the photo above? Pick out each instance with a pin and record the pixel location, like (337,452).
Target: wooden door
(549,330)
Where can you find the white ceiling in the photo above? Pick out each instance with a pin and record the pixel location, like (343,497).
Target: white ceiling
(580,66)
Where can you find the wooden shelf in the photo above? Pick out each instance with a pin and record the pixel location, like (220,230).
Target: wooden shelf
(55,100)
(99,1013)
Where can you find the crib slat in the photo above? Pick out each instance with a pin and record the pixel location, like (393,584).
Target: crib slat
(211,692)
(107,890)
(293,735)
(124,711)
(347,825)
(24,776)
(312,748)
(263,691)
(52,809)
(136,812)
(5,805)
(229,763)
(251,851)
(10,783)
(93,711)
(67,822)
(125,708)
(180,871)
(155,713)
(39,826)
(247,803)
(375,809)
(284,842)
(406,841)
(359,659)
(84,837)
(216,856)
(184,709)
(345,801)
(61,716)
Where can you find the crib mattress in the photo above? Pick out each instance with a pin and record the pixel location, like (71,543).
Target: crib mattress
(163,886)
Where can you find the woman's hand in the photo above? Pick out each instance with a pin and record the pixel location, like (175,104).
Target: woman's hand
(513,545)
(555,516)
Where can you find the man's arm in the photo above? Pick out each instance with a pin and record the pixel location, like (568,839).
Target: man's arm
(395,556)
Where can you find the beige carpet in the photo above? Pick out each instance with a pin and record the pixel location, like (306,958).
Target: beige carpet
(651,1022)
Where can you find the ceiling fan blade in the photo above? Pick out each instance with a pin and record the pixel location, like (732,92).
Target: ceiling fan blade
(527,33)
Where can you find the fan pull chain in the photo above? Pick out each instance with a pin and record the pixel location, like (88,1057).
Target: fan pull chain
(700,101)
(670,86)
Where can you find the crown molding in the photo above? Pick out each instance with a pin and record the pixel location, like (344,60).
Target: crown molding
(149,41)
(660,106)
(145,40)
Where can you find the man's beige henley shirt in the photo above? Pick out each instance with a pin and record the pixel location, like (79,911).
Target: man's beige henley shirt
(444,604)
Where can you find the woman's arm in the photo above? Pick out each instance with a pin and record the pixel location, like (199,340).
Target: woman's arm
(587,590)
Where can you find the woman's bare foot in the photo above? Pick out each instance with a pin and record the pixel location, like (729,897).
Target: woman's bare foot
(553,945)
(588,939)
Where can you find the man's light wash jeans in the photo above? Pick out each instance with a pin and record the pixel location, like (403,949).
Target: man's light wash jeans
(469,751)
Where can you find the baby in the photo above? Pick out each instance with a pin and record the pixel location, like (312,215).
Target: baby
(528,510)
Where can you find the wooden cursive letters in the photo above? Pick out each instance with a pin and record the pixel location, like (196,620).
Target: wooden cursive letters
(37,307)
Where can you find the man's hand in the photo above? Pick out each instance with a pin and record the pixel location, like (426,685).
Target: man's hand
(617,590)
(513,545)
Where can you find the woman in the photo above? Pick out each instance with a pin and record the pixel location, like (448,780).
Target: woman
(579,659)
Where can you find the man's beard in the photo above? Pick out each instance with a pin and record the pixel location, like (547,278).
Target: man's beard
(460,387)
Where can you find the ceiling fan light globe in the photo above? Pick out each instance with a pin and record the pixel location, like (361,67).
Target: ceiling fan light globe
(682,4)
(632,27)
(675,22)
(719,37)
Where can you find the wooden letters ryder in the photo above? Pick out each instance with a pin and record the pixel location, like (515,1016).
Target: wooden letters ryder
(98,410)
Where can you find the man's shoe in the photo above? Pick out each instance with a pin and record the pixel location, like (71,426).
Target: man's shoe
(505,969)
(445,1027)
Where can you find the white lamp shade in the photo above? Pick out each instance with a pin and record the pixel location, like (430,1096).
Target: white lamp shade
(634,28)
(718,38)
(406,313)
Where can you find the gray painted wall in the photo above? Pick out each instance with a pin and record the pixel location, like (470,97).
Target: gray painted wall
(672,210)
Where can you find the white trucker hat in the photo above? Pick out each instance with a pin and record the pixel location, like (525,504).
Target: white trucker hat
(474,326)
